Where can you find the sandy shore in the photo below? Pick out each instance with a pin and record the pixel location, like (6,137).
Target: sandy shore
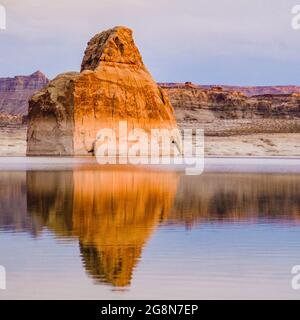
(255,145)
(13,140)
(13,143)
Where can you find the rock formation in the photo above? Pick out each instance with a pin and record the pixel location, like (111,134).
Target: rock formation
(246,90)
(260,90)
(222,112)
(15,93)
(113,85)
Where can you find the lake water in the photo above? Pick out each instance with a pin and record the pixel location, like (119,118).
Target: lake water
(80,231)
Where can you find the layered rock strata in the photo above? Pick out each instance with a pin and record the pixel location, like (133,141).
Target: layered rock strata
(15,92)
(222,112)
(246,90)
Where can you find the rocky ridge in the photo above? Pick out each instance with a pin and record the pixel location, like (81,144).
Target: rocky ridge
(15,93)
(246,90)
(222,112)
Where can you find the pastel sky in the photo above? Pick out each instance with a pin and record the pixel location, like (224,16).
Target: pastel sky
(242,42)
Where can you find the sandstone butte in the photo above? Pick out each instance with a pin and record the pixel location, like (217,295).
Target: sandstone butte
(113,85)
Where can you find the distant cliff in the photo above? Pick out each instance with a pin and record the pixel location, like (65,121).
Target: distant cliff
(222,112)
(15,93)
(246,90)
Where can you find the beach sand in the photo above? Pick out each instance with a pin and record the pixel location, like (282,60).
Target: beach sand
(13,140)
(255,145)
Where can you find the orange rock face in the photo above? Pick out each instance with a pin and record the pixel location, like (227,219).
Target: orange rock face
(113,85)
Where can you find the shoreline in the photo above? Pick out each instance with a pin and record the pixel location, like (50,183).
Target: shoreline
(278,165)
(265,145)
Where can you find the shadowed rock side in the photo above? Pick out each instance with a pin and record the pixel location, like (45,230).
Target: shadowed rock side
(113,85)
(112,213)
(51,118)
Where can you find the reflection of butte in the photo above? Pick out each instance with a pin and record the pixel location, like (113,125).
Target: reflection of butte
(114,211)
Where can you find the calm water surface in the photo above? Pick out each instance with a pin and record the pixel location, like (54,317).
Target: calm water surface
(116,232)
